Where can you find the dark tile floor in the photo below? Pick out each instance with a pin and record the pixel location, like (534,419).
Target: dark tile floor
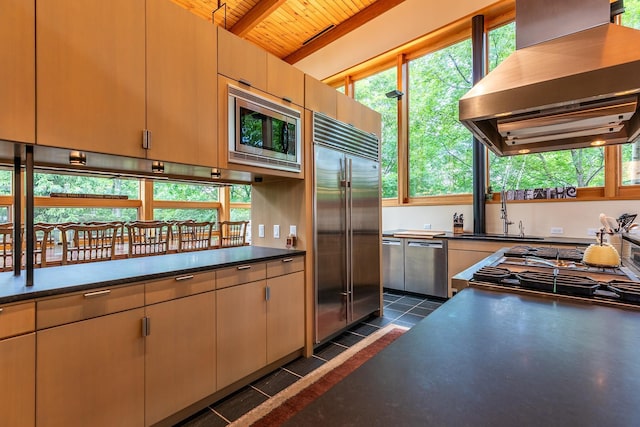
(401,309)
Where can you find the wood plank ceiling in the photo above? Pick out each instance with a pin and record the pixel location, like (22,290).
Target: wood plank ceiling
(289,29)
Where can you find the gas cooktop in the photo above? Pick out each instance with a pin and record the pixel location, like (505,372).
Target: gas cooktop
(560,271)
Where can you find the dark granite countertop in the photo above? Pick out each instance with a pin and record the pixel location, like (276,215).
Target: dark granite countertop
(69,278)
(511,239)
(488,358)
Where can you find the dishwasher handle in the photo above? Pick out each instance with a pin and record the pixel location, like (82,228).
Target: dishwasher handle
(391,242)
(434,245)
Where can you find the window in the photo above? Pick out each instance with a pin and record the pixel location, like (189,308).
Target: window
(185,192)
(631,152)
(57,210)
(179,201)
(371,92)
(6,180)
(240,206)
(47,183)
(579,168)
(440,155)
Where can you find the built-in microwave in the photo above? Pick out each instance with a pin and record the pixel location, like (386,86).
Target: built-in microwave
(263,132)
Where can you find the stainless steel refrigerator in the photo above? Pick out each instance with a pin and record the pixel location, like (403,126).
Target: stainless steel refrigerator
(347,225)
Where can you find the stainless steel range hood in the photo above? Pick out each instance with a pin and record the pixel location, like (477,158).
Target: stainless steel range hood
(574,91)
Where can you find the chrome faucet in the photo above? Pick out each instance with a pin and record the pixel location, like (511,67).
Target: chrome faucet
(503,213)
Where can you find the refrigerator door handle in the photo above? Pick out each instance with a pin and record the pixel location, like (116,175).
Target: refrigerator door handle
(349,172)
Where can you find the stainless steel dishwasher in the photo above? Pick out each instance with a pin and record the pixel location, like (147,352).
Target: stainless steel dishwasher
(425,267)
(393,263)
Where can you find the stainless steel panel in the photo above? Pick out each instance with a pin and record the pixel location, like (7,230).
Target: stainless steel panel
(331,249)
(425,267)
(393,263)
(365,227)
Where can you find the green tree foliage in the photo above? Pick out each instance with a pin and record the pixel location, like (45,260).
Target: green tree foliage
(177,191)
(440,157)
(240,193)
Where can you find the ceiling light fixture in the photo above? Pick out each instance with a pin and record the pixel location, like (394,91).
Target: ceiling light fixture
(524,151)
(77,158)
(215,173)
(598,143)
(394,94)
(157,167)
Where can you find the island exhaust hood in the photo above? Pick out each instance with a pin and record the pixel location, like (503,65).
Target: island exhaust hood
(573,82)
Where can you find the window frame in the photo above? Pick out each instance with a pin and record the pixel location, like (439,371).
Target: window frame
(495,15)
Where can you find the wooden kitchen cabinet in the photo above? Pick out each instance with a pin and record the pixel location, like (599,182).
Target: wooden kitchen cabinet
(109,70)
(90,75)
(241,60)
(18,380)
(320,97)
(357,115)
(285,307)
(285,81)
(17,364)
(181,85)
(17,74)
(241,331)
(91,372)
(180,355)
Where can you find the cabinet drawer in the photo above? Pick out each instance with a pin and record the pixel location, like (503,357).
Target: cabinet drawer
(88,304)
(179,286)
(245,273)
(285,266)
(17,319)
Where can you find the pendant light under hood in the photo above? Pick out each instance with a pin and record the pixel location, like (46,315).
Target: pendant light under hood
(573,82)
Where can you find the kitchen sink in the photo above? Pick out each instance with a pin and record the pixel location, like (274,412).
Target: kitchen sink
(489,236)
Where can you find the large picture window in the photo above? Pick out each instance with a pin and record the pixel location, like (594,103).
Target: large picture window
(440,155)
(631,152)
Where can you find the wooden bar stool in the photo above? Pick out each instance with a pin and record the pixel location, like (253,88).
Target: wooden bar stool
(193,236)
(232,233)
(87,243)
(148,238)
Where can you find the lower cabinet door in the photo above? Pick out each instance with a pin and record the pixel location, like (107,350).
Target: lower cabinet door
(91,373)
(285,315)
(180,359)
(18,380)
(241,331)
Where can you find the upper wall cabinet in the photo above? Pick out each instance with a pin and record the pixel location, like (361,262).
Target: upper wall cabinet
(96,93)
(17,73)
(181,85)
(319,97)
(241,60)
(285,81)
(91,75)
(360,116)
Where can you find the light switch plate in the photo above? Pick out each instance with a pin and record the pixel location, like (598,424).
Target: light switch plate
(261,230)
(293,230)
(276,231)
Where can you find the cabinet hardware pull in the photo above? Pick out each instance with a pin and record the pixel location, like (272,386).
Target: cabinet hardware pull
(146,139)
(267,293)
(244,267)
(97,293)
(190,276)
(245,82)
(146,326)
(287,99)
(287,260)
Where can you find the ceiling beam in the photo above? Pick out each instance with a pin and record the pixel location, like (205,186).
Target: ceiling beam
(365,15)
(257,14)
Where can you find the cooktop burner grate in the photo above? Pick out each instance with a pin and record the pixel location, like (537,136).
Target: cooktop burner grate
(567,254)
(491,274)
(627,291)
(560,283)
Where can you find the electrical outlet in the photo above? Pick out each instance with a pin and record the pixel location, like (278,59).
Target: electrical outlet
(276,231)
(557,230)
(591,231)
(293,230)
(261,230)
(426,226)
